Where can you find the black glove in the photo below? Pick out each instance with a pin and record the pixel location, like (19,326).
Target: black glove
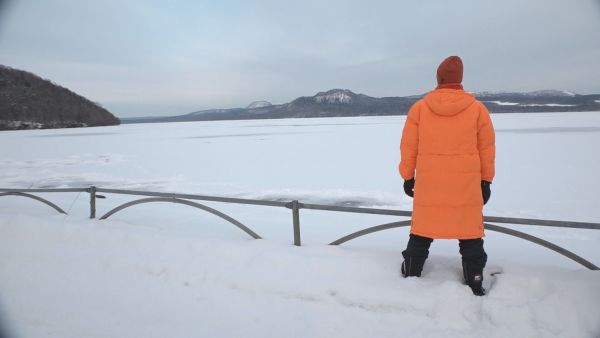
(409,186)
(486,192)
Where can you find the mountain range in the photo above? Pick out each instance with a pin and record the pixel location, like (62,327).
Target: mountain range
(30,102)
(344,102)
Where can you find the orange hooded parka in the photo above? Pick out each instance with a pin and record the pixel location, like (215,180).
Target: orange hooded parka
(448,146)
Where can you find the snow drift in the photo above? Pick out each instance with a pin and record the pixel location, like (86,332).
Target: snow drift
(72,277)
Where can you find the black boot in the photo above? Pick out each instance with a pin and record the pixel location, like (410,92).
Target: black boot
(474,259)
(474,279)
(417,251)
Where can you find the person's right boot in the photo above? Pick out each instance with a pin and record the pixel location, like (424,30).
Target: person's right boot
(412,266)
(415,255)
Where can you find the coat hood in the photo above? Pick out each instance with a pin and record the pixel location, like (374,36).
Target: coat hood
(448,102)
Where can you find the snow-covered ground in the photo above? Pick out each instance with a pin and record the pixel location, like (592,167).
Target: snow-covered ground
(159,270)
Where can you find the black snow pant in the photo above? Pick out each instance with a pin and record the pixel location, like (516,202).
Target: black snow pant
(417,251)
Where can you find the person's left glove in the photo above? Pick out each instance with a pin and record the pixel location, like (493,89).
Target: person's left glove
(486,192)
(409,186)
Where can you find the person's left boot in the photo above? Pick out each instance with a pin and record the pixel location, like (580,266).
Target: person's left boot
(476,285)
(474,279)
(474,259)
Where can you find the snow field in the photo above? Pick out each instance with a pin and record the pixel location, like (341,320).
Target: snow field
(72,277)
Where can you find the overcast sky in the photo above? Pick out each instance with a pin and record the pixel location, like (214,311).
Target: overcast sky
(142,58)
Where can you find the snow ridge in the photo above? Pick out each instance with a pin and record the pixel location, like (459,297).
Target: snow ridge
(536,93)
(504,103)
(547,105)
(259,104)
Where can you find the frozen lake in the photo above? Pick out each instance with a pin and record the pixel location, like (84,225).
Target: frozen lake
(545,162)
(546,166)
(158,270)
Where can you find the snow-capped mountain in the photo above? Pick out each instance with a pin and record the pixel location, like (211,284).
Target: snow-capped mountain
(334,96)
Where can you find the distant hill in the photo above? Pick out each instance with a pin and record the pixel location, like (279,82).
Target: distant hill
(30,102)
(343,102)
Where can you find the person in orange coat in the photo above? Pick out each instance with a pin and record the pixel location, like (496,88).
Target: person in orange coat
(447,163)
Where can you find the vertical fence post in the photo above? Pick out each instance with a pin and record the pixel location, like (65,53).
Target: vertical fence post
(296,216)
(92,191)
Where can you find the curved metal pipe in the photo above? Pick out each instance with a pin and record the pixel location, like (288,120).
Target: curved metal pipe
(543,243)
(490,227)
(370,230)
(180,201)
(37,198)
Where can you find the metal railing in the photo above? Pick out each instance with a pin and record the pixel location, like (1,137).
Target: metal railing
(295,206)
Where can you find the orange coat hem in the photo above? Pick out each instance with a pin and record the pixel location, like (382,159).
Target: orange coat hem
(419,233)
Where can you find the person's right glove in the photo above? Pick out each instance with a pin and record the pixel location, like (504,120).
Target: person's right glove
(486,192)
(409,186)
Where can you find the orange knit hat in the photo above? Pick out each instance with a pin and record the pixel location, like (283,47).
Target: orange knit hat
(450,71)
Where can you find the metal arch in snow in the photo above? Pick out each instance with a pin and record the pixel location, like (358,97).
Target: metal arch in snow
(488,226)
(186,202)
(543,243)
(370,231)
(37,198)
